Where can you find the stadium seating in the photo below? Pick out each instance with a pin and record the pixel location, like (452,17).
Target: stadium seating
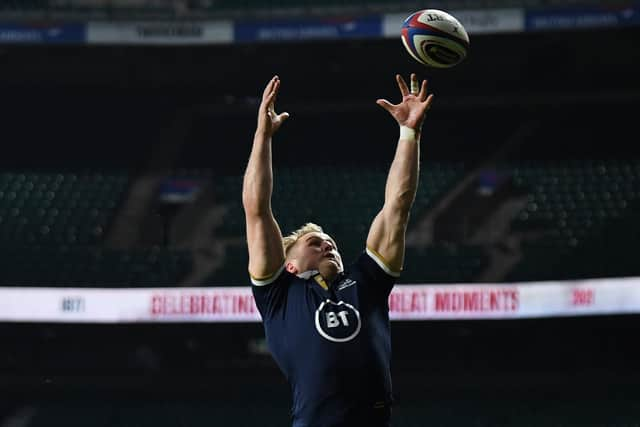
(233,271)
(24,5)
(57,208)
(52,225)
(344,200)
(168,8)
(574,206)
(90,266)
(444,264)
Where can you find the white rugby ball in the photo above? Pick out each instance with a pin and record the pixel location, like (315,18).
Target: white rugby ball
(435,38)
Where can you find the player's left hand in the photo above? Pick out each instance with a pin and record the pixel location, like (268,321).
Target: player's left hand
(415,103)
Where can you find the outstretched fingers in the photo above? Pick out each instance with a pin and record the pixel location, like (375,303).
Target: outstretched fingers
(269,87)
(270,93)
(427,103)
(404,90)
(422,95)
(385,104)
(271,98)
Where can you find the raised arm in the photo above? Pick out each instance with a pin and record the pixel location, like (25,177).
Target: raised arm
(387,233)
(264,239)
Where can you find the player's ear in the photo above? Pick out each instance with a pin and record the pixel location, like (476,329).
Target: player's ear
(291,268)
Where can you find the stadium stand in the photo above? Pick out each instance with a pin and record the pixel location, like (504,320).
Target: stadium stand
(64,210)
(93,266)
(337,190)
(92,139)
(62,186)
(582,185)
(52,226)
(184,9)
(342,199)
(578,205)
(57,209)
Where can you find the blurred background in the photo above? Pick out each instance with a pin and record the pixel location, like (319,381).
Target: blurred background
(126,126)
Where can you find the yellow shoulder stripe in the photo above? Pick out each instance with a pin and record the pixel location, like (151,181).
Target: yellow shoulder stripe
(267,280)
(382,263)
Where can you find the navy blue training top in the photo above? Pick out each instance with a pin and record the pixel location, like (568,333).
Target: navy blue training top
(334,345)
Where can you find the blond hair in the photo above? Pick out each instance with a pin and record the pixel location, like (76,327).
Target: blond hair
(292,238)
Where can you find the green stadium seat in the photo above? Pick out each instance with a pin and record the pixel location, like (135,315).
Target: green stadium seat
(51,230)
(574,203)
(344,201)
(41,208)
(88,266)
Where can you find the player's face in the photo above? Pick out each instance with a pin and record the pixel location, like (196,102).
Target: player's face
(314,248)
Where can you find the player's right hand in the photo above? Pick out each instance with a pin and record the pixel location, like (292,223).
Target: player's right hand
(415,103)
(268,120)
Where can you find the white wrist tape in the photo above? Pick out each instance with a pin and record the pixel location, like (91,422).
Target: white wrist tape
(407,133)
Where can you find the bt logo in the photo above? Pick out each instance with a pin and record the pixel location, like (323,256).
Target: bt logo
(337,322)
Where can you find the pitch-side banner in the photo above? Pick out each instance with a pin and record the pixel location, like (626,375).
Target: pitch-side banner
(236,304)
(474,21)
(42,33)
(592,17)
(160,33)
(315,29)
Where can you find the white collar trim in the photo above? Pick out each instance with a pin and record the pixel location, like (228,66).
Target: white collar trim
(307,274)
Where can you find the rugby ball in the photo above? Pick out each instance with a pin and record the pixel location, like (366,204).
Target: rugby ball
(435,38)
